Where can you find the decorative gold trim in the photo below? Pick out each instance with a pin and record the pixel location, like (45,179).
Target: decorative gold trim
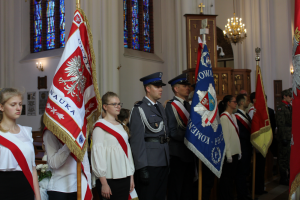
(61,133)
(295,184)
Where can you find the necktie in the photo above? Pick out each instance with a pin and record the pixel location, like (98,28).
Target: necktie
(187,106)
(157,108)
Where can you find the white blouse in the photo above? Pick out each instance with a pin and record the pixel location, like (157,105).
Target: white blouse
(108,158)
(7,159)
(232,140)
(63,165)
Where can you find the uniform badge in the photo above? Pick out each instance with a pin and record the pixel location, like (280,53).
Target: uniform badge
(160,75)
(156,125)
(279,108)
(207,107)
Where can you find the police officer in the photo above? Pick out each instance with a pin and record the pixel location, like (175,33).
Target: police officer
(182,160)
(149,141)
(284,125)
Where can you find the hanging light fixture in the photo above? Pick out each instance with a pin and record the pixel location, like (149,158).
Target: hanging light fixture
(235,31)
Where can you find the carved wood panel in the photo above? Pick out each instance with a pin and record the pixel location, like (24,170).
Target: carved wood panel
(193,26)
(277,93)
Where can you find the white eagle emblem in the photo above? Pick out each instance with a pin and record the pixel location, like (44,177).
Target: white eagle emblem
(77,78)
(207,107)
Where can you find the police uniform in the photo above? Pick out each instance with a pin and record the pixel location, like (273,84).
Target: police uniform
(182,160)
(149,144)
(284,125)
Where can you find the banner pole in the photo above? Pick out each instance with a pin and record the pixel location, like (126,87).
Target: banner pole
(200,181)
(78,180)
(253,174)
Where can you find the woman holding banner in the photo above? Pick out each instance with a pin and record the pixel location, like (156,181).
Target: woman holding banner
(18,176)
(232,145)
(112,161)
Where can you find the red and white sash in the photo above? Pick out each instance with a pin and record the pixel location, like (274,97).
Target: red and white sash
(86,193)
(232,121)
(251,109)
(16,147)
(122,138)
(243,120)
(181,110)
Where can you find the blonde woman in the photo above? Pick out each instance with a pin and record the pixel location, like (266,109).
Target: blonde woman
(112,161)
(18,176)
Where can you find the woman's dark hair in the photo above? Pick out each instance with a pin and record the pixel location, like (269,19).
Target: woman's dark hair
(124,114)
(223,104)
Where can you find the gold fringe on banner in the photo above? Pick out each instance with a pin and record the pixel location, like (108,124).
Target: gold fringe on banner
(91,119)
(294,186)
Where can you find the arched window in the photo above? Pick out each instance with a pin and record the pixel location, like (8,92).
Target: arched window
(138,25)
(47,25)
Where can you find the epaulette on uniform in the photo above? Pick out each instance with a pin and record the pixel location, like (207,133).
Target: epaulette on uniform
(138,104)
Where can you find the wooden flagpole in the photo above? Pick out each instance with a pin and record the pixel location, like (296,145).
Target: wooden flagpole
(200,181)
(257,59)
(253,174)
(78,180)
(78,161)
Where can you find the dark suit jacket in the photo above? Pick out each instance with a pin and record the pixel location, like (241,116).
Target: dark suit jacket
(244,134)
(177,146)
(148,153)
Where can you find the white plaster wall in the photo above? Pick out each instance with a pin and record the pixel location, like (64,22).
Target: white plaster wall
(268,25)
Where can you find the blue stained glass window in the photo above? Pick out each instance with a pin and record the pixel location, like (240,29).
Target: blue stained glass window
(37,18)
(62,23)
(125,23)
(50,24)
(135,24)
(146,16)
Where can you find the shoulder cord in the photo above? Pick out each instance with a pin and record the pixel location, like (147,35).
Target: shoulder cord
(179,122)
(145,122)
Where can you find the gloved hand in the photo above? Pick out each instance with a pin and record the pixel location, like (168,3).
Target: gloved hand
(285,143)
(144,175)
(229,160)
(240,156)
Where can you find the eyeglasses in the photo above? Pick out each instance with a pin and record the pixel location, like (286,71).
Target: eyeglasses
(116,104)
(233,101)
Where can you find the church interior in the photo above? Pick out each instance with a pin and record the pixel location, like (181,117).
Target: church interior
(171,48)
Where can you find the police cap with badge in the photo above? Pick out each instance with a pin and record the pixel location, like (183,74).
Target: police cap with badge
(153,79)
(180,79)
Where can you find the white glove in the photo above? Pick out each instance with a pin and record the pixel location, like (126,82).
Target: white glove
(229,160)
(240,156)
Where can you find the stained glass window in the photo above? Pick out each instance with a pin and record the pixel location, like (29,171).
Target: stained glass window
(146,16)
(125,24)
(50,24)
(37,20)
(47,24)
(135,24)
(62,23)
(138,25)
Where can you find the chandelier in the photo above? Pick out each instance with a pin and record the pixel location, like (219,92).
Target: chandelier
(235,31)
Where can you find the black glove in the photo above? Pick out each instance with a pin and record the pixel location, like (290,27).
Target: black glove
(144,175)
(285,143)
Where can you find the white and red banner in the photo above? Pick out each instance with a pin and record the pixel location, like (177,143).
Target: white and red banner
(295,141)
(74,99)
(181,110)
(122,138)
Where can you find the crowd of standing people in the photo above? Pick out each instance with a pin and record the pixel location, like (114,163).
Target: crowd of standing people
(144,149)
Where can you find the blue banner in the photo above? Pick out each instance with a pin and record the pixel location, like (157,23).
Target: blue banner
(204,134)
